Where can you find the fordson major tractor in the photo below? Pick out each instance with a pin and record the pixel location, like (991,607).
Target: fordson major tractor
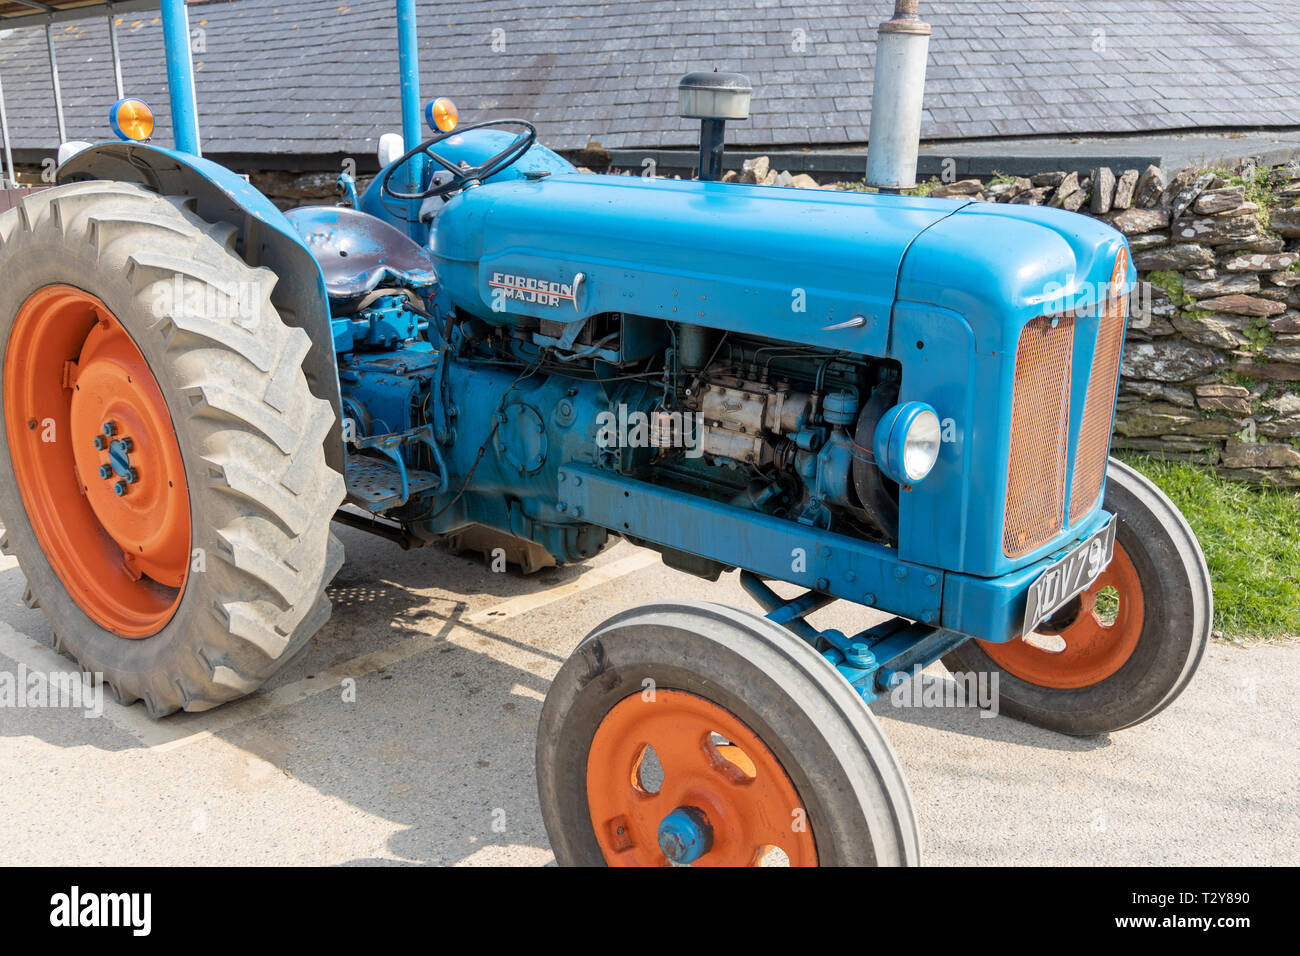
(898,402)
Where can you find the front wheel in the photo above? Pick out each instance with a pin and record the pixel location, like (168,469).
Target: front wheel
(700,734)
(1123,650)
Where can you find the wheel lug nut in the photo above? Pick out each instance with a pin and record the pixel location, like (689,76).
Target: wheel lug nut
(105,471)
(132,476)
(119,488)
(127,444)
(99,442)
(109,429)
(685,835)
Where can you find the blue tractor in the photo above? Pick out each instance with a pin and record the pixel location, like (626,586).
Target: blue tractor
(898,402)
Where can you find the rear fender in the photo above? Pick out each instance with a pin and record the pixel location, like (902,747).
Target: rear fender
(266,238)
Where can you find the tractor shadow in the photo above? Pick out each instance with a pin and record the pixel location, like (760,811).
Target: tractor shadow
(438,741)
(935,701)
(441,742)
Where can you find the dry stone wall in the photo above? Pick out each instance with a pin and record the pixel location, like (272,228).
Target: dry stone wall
(1211,368)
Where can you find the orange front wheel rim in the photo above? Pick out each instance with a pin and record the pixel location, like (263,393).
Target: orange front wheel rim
(717,776)
(1094,646)
(96,461)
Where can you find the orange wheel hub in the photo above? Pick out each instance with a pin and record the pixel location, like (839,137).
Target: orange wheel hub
(1093,648)
(96,461)
(715,774)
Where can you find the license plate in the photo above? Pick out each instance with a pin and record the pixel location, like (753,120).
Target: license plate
(1071,575)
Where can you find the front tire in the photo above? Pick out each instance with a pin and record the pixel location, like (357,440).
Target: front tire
(759,739)
(141,354)
(1123,667)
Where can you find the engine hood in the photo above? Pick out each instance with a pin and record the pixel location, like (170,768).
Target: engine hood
(790,264)
(779,262)
(999,266)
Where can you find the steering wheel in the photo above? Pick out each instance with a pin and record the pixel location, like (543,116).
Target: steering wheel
(462,175)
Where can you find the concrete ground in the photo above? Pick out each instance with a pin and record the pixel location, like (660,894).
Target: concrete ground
(433,760)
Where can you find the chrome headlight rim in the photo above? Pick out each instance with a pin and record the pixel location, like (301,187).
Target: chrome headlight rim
(907,442)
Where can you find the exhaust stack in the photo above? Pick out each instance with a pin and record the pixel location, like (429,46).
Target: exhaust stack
(895,134)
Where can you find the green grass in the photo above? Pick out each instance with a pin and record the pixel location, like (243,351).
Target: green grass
(1251,540)
(1259,188)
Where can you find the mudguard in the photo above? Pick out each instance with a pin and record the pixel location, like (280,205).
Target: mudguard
(266,238)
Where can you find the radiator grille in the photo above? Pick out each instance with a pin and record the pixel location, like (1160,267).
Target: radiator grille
(1098,411)
(1040,419)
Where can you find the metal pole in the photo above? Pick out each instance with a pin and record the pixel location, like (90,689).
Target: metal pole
(4,130)
(408,64)
(180,76)
(54,75)
(117,57)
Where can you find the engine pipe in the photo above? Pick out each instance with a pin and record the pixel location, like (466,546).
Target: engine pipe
(894,138)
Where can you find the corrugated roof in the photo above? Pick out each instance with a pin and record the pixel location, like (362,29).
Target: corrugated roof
(307,76)
(15,9)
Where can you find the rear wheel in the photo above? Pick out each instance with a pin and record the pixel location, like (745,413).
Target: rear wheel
(162,473)
(1124,649)
(697,733)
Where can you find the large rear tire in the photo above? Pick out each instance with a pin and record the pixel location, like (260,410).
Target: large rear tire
(182,546)
(761,743)
(1100,672)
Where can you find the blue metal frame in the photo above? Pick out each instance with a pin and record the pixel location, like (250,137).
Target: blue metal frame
(874,660)
(180,77)
(180,70)
(968,310)
(833,564)
(408,65)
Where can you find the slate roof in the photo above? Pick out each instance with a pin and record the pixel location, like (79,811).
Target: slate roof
(319,76)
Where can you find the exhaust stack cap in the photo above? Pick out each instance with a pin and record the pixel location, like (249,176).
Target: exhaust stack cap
(902,46)
(905,20)
(714,96)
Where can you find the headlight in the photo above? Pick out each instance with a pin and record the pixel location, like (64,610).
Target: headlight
(906,442)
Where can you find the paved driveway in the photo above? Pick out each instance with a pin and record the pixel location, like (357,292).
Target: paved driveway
(432,762)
